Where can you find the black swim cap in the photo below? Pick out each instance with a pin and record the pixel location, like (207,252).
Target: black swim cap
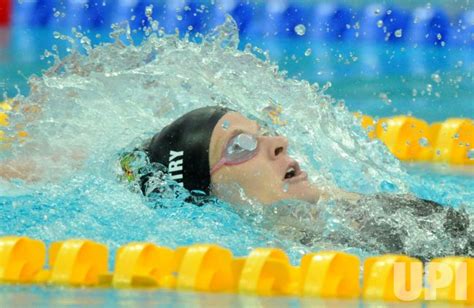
(183,147)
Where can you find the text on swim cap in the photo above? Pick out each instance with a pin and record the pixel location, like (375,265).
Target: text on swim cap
(175,166)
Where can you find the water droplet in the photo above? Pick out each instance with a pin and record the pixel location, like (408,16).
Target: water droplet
(439,36)
(384,97)
(380,23)
(308,52)
(429,88)
(57,14)
(285,187)
(300,29)
(423,142)
(179,17)
(190,28)
(470,154)
(377,11)
(388,186)
(149,10)
(389,12)
(436,77)
(226,124)
(56,35)
(326,86)
(398,33)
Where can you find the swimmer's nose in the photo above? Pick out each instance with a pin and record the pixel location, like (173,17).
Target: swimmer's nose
(277,145)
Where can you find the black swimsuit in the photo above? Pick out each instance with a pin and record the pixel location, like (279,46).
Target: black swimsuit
(388,223)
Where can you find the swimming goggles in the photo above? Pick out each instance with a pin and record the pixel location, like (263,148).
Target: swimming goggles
(239,149)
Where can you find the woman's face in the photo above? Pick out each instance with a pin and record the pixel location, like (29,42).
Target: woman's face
(269,176)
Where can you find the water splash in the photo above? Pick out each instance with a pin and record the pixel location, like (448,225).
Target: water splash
(99,100)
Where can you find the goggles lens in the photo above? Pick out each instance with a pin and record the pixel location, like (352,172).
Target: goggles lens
(241,147)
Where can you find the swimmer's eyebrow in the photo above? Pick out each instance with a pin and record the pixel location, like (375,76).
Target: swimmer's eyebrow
(237,131)
(232,134)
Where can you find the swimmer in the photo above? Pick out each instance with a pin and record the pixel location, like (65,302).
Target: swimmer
(214,150)
(219,152)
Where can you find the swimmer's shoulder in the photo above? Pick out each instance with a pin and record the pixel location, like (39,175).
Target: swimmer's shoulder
(335,193)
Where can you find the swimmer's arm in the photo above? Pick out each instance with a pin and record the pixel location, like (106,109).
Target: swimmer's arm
(31,170)
(23,170)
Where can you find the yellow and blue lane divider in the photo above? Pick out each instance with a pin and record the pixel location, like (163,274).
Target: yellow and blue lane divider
(211,268)
(407,137)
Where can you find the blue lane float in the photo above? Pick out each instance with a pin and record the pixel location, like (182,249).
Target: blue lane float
(33,13)
(87,14)
(380,23)
(430,26)
(282,20)
(463,29)
(123,10)
(329,21)
(332,21)
(243,14)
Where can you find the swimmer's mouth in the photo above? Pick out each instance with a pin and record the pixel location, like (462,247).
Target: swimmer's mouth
(292,171)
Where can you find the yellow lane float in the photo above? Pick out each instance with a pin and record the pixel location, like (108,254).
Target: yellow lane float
(142,265)
(211,268)
(21,259)
(5,108)
(77,262)
(330,274)
(412,139)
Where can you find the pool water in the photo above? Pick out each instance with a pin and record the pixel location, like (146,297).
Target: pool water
(42,297)
(382,80)
(429,82)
